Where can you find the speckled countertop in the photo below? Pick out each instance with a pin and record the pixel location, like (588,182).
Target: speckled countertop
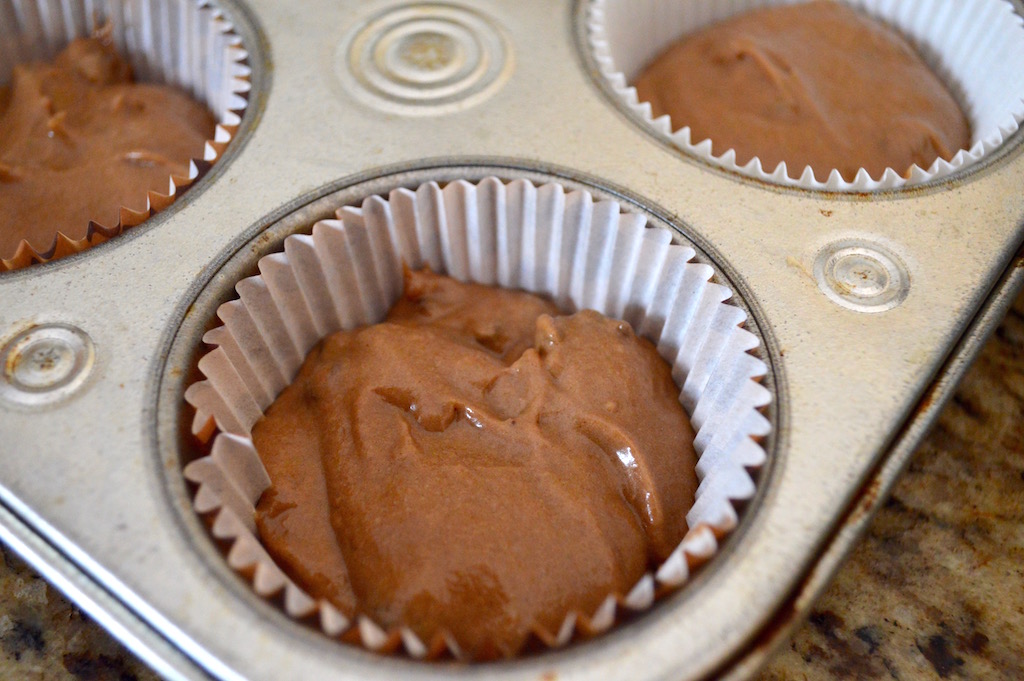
(935,590)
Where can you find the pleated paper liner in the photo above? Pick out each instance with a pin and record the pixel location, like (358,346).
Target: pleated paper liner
(580,253)
(186,43)
(974,46)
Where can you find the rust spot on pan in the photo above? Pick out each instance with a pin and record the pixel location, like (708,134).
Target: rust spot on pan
(925,403)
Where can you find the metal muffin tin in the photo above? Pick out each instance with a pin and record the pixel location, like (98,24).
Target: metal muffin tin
(870,307)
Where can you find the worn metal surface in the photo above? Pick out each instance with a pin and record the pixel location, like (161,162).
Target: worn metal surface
(92,480)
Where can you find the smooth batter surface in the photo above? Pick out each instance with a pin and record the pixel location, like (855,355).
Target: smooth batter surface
(816,84)
(476,465)
(78,140)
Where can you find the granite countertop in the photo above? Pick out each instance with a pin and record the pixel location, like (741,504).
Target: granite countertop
(934,591)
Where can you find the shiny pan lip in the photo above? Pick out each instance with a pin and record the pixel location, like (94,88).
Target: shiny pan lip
(158,44)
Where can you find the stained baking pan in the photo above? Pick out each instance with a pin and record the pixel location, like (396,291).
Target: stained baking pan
(91,484)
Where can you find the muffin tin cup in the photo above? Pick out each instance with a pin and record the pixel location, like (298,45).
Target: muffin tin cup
(974,48)
(579,252)
(188,44)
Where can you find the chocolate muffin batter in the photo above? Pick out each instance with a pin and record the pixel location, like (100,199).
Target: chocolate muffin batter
(476,465)
(816,84)
(78,140)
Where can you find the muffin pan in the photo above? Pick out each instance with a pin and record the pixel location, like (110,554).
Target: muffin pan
(868,307)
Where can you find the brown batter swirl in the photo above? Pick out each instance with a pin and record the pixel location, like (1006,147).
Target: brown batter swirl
(816,84)
(476,465)
(78,140)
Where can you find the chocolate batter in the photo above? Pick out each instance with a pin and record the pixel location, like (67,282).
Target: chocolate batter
(78,140)
(816,84)
(476,465)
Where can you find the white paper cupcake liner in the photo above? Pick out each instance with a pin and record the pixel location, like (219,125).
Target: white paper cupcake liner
(579,252)
(186,43)
(975,46)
